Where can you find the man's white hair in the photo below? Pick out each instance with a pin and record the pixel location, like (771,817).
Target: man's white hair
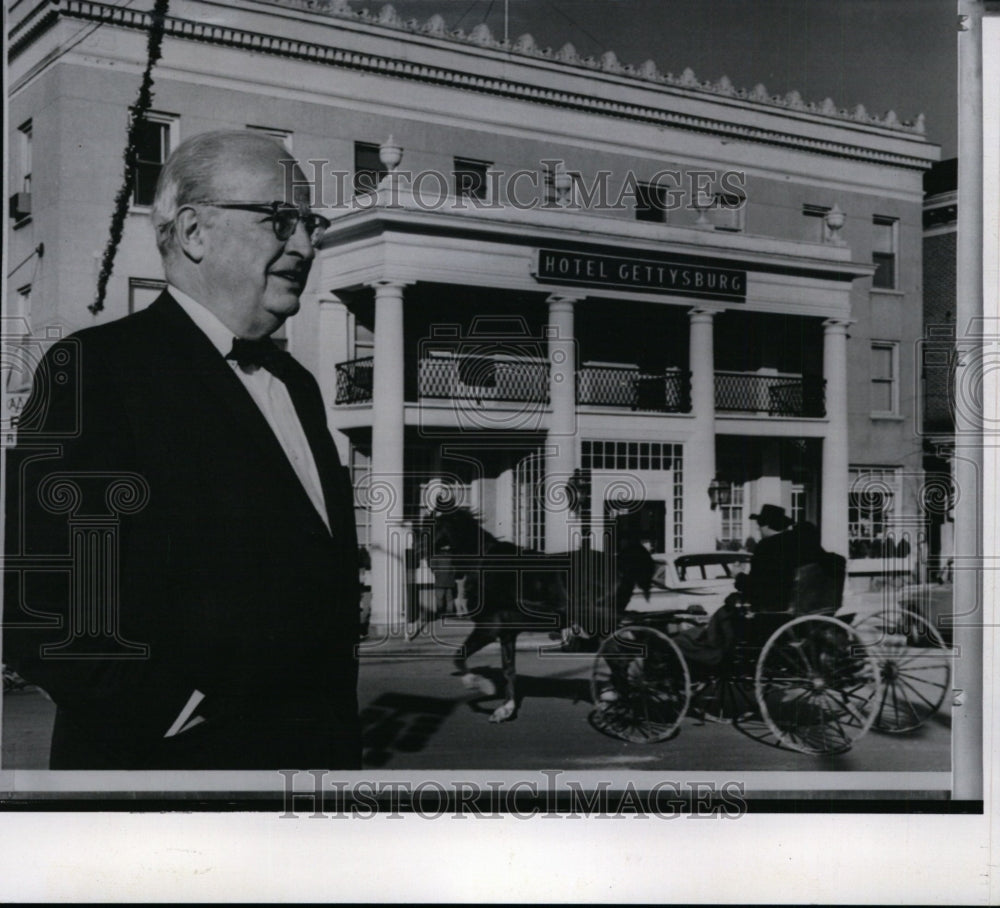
(189,173)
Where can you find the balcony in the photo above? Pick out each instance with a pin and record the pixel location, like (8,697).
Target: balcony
(770,394)
(513,379)
(354,381)
(617,385)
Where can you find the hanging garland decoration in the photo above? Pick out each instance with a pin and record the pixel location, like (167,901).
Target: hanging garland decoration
(142,105)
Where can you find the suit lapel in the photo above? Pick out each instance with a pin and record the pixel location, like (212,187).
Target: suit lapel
(190,355)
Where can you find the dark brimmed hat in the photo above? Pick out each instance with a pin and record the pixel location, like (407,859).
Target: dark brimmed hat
(772,516)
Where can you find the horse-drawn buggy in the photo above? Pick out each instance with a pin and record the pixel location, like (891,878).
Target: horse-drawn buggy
(808,678)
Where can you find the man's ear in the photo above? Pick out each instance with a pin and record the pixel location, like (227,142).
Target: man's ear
(189,229)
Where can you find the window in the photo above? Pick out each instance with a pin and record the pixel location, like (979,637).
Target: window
(650,203)
(884,377)
(732,515)
(471,180)
(368,167)
(20,201)
(282,135)
(884,239)
(142,291)
(871,497)
(24,154)
(154,141)
(360,470)
(798,503)
(17,366)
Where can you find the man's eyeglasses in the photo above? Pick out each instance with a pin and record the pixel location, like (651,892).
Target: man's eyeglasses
(284,217)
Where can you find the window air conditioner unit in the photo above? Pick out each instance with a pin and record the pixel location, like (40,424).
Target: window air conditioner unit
(19,205)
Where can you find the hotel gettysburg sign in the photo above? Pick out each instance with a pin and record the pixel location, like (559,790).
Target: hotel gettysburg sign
(634,273)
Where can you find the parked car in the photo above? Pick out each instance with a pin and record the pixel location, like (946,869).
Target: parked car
(931,602)
(694,579)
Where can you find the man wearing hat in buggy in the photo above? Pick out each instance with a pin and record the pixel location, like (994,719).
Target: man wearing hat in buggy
(768,586)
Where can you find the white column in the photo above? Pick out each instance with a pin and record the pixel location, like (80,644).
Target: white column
(700,523)
(834,481)
(385,497)
(561,440)
(333,347)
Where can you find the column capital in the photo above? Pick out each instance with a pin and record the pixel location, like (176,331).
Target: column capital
(329,299)
(389,284)
(838,325)
(704,313)
(556,299)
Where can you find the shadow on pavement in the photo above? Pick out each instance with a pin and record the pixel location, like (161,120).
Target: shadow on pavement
(400,723)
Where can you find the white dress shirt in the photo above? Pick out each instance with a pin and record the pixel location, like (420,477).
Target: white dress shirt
(271,397)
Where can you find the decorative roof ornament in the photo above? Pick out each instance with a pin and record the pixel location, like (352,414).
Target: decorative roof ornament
(688,79)
(482,35)
(567,54)
(649,70)
(526,45)
(759,93)
(920,124)
(435,26)
(388,16)
(725,86)
(828,107)
(890,119)
(794,100)
(610,63)
(860,112)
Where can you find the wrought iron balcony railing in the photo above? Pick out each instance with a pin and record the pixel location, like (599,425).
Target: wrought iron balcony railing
(775,394)
(623,386)
(517,380)
(481,378)
(354,381)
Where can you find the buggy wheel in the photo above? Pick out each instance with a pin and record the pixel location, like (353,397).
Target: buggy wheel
(817,685)
(915,665)
(640,686)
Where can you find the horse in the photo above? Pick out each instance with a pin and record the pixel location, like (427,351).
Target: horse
(511,589)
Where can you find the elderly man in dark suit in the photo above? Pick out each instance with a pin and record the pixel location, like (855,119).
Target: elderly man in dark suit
(768,586)
(223,628)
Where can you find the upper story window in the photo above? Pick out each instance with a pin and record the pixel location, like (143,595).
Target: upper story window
(20,184)
(885,237)
(155,139)
(650,203)
(284,136)
(471,179)
(24,133)
(368,167)
(884,378)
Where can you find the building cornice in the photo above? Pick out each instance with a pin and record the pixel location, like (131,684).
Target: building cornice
(43,16)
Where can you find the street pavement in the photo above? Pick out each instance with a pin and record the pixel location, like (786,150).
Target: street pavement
(417,714)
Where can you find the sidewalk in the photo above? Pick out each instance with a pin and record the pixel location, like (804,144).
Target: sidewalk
(439,637)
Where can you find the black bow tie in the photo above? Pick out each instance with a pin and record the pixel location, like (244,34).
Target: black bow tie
(263,353)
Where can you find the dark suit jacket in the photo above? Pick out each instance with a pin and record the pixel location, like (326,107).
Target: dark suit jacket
(768,586)
(227,581)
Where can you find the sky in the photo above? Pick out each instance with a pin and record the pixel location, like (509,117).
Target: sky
(886,54)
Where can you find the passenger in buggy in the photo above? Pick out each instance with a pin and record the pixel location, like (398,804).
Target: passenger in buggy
(789,573)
